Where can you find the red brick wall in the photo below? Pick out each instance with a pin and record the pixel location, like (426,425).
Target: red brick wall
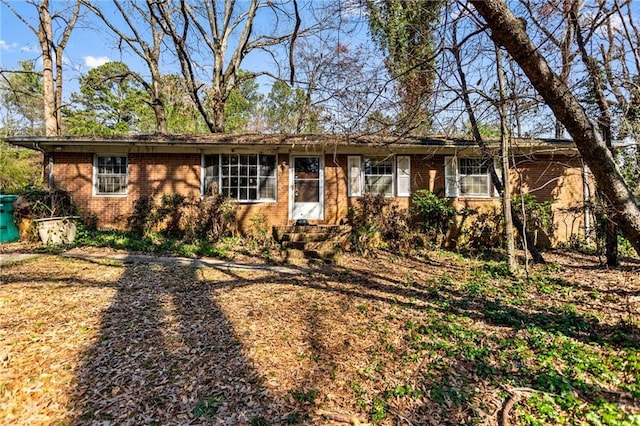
(149,174)
(274,213)
(556,178)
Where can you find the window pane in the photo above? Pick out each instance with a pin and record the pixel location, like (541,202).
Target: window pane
(111,175)
(307,191)
(267,188)
(240,175)
(307,167)
(378,175)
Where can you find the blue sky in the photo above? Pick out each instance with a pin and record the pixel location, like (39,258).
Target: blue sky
(88,47)
(17,42)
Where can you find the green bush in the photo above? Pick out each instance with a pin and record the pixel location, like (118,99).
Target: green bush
(433,214)
(141,220)
(376,223)
(537,214)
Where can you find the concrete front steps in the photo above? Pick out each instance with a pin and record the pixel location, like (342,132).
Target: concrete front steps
(312,242)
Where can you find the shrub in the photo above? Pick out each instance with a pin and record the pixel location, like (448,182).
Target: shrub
(177,216)
(168,215)
(375,223)
(432,214)
(366,222)
(539,218)
(44,203)
(258,230)
(141,219)
(210,219)
(486,231)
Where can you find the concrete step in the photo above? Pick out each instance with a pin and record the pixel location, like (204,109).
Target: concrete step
(309,232)
(296,257)
(310,245)
(319,242)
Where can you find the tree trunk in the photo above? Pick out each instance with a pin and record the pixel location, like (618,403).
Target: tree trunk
(486,154)
(45,37)
(217,105)
(504,139)
(508,31)
(607,214)
(157,103)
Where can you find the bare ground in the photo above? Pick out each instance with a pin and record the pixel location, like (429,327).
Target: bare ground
(386,340)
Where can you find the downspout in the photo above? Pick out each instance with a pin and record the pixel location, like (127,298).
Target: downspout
(37,147)
(587,203)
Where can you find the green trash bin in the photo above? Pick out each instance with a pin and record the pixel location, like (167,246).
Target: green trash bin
(8,230)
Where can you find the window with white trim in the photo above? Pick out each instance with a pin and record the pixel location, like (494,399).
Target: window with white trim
(111,175)
(467,177)
(242,177)
(378,175)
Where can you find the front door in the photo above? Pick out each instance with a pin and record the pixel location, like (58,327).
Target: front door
(307,188)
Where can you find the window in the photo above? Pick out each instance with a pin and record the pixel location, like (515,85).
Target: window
(467,177)
(243,177)
(376,175)
(111,175)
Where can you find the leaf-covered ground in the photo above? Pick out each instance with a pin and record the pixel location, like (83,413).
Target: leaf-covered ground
(387,340)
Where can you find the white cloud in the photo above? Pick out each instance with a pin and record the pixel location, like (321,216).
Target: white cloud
(4,46)
(92,61)
(30,49)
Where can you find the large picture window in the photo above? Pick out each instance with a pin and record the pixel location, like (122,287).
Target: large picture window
(242,177)
(467,177)
(110,175)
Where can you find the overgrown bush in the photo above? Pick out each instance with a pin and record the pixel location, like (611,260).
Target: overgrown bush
(168,215)
(140,221)
(432,214)
(259,230)
(210,218)
(176,216)
(538,215)
(43,203)
(375,223)
(485,232)
(366,222)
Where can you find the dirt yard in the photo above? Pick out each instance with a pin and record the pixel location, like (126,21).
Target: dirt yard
(445,340)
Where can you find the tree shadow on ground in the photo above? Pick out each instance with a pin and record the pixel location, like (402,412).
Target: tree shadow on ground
(166,354)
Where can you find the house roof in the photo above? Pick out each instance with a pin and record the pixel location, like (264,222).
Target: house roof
(281,143)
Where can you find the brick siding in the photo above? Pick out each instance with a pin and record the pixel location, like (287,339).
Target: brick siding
(557,178)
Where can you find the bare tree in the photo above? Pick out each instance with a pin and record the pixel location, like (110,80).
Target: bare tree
(52,51)
(455,50)
(142,35)
(218,35)
(509,32)
(504,161)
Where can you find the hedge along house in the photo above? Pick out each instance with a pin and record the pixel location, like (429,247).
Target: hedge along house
(312,177)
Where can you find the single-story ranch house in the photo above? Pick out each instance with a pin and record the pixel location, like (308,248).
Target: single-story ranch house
(312,177)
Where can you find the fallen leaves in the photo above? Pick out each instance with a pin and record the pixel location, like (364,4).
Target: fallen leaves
(353,343)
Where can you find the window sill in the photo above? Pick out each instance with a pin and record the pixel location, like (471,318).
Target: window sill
(474,197)
(111,195)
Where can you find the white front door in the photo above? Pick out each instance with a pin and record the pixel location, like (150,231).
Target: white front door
(306,192)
